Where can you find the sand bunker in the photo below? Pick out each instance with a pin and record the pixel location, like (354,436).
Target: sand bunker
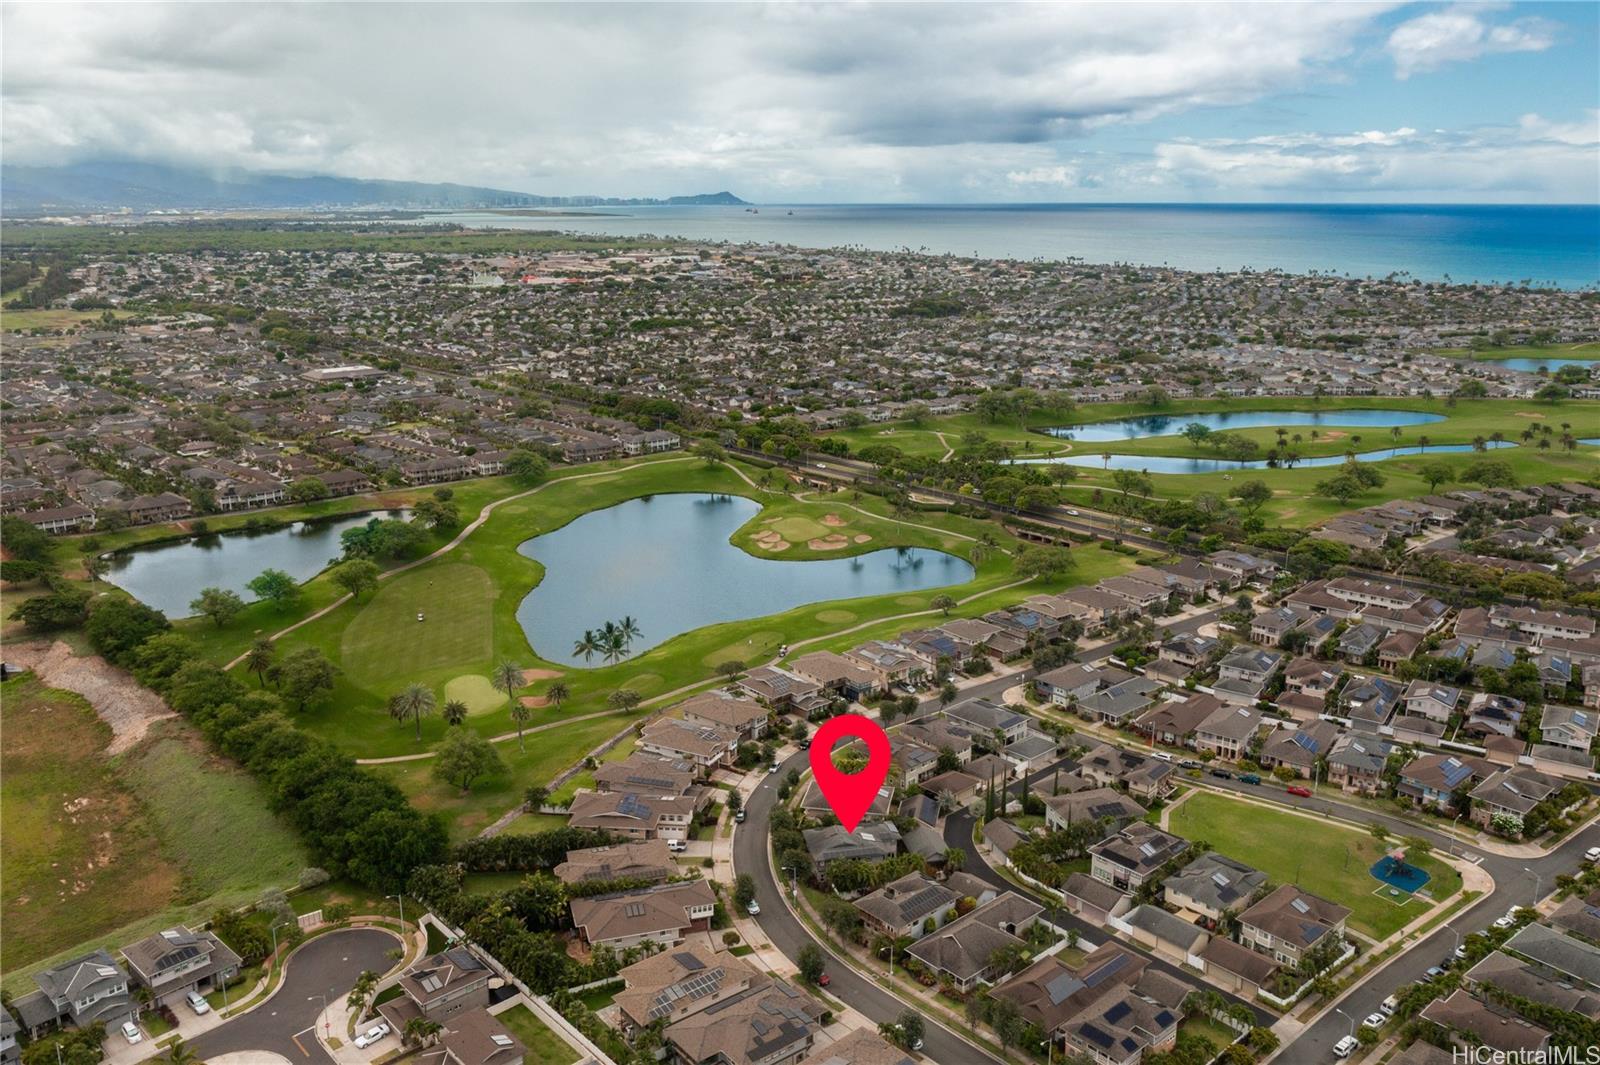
(769,540)
(534,702)
(833,520)
(1529,414)
(122,702)
(862,538)
(531,675)
(1334,434)
(829,543)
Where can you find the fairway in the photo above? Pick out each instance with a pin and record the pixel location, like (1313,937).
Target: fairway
(1323,858)
(756,647)
(385,641)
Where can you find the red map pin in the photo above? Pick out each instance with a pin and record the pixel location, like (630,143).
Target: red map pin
(850,794)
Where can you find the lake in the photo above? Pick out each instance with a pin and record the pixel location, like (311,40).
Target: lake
(666,560)
(167,576)
(1171,424)
(1179,464)
(1535,365)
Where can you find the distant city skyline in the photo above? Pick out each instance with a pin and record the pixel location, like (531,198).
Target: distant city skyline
(1332,103)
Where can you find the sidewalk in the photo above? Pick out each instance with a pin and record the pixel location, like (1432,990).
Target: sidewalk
(335,1024)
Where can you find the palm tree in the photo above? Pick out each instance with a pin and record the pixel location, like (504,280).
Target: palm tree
(507,678)
(521,714)
(180,1054)
(1394,432)
(1422,444)
(259,659)
(454,712)
(1478,443)
(1105,457)
(1527,434)
(557,694)
(588,646)
(414,701)
(629,629)
(984,549)
(613,645)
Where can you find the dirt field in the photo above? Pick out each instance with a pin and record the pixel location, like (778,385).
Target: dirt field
(117,698)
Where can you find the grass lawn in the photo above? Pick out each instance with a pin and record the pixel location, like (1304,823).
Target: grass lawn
(488,883)
(1206,1028)
(1588,350)
(102,850)
(1323,858)
(600,997)
(544,1046)
(20,321)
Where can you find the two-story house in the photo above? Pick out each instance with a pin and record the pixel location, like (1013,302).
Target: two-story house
(1290,922)
(77,993)
(176,961)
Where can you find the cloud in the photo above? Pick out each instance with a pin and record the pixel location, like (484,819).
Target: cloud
(1554,161)
(1460,34)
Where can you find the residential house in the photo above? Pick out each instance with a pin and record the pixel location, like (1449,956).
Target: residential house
(838,675)
(1212,885)
(646,860)
(1433,779)
(1497,715)
(964,949)
(1514,792)
(677,983)
(718,708)
(871,841)
(648,774)
(634,816)
(1289,922)
(1228,732)
(1242,676)
(1144,777)
(1474,1023)
(985,720)
(173,962)
(1356,763)
(1436,701)
(771,1024)
(440,986)
(1578,962)
(910,906)
(1164,933)
(1369,701)
(1236,968)
(663,913)
(77,993)
(1174,722)
(1569,726)
(1299,748)
(1136,853)
(707,746)
(1096,804)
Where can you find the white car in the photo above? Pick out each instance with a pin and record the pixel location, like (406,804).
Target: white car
(198,1003)
(771,769)
(1345,1047)
(1592,855)
(677,846)
(754,909)
(1374,1020)
(1389,1005)
(1504,922)
(1074,513)
(371,1036)
(131,1033)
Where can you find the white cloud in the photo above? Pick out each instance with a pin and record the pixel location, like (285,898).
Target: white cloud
(1460,34)
(1044,175)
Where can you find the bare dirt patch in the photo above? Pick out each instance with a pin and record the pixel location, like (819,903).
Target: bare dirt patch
(833,520)
(531,675)
(1528,414)
(120,701)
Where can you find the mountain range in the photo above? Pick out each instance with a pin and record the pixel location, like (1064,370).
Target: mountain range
(114,185)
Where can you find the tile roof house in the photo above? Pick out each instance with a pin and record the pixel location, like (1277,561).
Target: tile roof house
(747,718)
(1095,804)
(869,842)
(679,982)
(1574,959)
(1299,748)
(771,1024)
(634,815)
(963,949)
(1050,993)
(1514,791)
(707,746)
(1236,968)
(89,988)
(1144,777)
(1228,732)
(176,961)
(442,985)
(648,774)
(1174,723)
(1213,884)
(902,907)
(1432,779)
(645,860)
(1164,932)
(471,1038)
(1136,853)
(1495,714)
(664,913)
(1425,699)
(1526,980)
(1356,762)
(1473,1022)
(1289,922)
(860,1047)
(1569,726)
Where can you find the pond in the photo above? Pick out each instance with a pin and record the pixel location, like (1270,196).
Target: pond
(167,576)
(1180,464)
(667,562)
(1172,424)
(1535,365)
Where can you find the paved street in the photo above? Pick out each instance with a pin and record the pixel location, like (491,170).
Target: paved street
(327,965)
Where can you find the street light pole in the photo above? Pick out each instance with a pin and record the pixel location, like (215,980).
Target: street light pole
(1347,1017)
(1538,882)
(401,899)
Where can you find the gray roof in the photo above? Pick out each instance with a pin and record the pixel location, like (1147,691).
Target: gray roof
(1217,881)
(1168,927)
(1553,950)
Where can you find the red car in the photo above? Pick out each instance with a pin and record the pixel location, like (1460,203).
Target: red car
(823,980)
(1304,793)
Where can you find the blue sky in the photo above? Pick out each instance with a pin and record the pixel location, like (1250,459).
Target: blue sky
(1324,102)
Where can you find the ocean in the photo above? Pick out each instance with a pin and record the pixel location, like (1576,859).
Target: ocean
(1549,246)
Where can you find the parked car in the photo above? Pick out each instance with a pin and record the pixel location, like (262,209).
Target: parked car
(805,744)
(1345,1047)
(197,1002)
(1188,763)
(1375,1020)
(371,1035)
(754,909)
(1222,774)
(677,846)
(824,980)
(1295,789)
(1434,972)
(739,816)
(131,1033)
(1249,778)
(773,768)
(1592,855)
(1505,922)
(1389,1005)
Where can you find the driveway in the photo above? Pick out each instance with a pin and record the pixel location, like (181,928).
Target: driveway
(327,965)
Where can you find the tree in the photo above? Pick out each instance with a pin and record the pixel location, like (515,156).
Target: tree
(588,645)
(1436,473)
(420,1031)
(24,540)
(711,453)
(1491,473)
(507,678)
(361,992)
(307,490)
(623,700)
(1342,488)
(1044,562)
(811,963)
(744,890)
(1252,495)
(218,604)
(356,576)
(454,712)
(276,587)
(259,659)
(1196,433)
(943,603)
(464,757)
(526,466)
(305,676)
(437,513)
(911,1029)
(557,694)
(116,627)
(413,702)
(180,1054)
(63,608)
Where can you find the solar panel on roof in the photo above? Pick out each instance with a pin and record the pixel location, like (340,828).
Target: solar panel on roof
(1062,987)
(689,961)
(633,909)
(1300,906)
(1219,879)
(1104,972)
(1304,741)
(1148,850)
(1095,1035)
(1118,1011)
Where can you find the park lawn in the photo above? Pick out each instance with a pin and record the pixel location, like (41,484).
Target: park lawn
(544,1046)
(924,440)
(1323,858)
(102,850)
(21,321)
